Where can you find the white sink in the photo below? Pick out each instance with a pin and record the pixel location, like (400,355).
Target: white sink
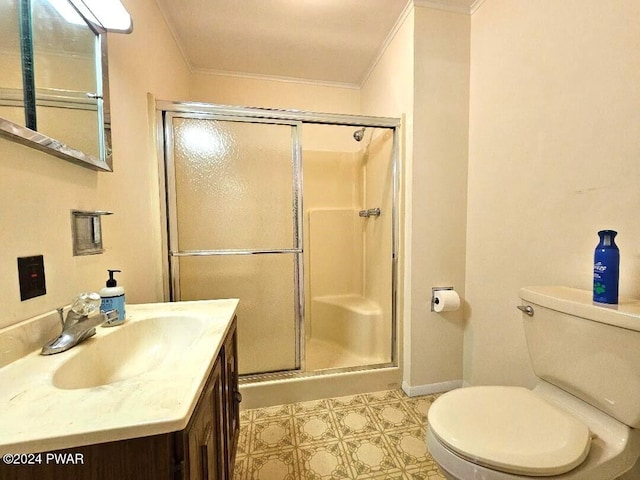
(130,350)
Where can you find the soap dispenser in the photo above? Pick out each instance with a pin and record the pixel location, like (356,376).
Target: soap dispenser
(113,299)
(606,268)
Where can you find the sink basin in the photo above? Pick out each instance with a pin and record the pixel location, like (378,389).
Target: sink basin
(127,351)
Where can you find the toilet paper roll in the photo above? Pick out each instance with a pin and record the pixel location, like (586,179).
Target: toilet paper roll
(446,300)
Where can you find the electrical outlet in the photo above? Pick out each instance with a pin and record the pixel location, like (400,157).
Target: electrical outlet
(31,277)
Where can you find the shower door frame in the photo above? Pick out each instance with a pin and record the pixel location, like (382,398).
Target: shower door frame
(295,118)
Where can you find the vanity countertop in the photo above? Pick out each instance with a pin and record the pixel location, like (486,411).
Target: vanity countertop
(38,416)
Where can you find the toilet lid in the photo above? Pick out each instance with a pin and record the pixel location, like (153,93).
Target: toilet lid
(509,429)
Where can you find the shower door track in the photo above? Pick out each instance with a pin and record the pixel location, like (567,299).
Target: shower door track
(296,374)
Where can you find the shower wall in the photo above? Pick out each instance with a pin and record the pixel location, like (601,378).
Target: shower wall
(333,250)
(348,264)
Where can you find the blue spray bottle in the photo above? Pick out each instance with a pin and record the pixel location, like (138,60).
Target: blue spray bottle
(606,268)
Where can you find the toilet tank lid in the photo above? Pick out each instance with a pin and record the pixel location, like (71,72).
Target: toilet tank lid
(579,303)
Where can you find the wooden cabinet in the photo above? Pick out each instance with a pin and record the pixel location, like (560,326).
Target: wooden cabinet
(201,446)
(204,450)
(232,397)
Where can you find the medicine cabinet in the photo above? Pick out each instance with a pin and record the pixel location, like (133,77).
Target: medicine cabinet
(54,92)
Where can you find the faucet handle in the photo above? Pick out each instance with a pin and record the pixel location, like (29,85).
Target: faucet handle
(86,303)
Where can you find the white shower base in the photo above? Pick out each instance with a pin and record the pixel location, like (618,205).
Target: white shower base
(323,354)
(346,331)
(278,391)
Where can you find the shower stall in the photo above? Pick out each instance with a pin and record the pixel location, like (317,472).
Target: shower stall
(295,214)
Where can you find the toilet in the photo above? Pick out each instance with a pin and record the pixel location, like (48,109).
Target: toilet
(582,419)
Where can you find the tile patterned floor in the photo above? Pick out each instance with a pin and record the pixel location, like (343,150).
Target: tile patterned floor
(375,435)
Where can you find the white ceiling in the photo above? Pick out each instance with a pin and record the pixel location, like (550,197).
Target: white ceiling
(332,41)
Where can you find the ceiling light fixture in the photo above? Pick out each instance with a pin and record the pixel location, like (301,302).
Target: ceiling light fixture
(67,11)
(108,14)
(111,14)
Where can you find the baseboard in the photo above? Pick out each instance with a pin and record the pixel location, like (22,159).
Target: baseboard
(414,391)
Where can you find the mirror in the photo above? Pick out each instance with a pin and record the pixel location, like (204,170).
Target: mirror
(11,98)
(53,84)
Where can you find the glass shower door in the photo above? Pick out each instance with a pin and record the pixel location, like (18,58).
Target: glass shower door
(233,202)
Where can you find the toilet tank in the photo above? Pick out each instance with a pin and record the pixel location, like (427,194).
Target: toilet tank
(590,350)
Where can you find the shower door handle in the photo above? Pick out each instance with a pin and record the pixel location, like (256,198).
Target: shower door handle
(372,212)
(211,253)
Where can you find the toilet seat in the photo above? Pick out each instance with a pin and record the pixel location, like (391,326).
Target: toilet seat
(509,429)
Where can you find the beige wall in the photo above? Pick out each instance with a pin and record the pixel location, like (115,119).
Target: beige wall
(388,91)
(439,192)
(553,158)
(423,75)
(37,190)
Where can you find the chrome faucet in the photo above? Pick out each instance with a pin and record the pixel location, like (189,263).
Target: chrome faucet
(80,324)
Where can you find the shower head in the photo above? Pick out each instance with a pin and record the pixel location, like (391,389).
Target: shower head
(359,134)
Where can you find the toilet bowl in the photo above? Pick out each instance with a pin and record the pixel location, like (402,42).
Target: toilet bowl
(581,420)
(505,433)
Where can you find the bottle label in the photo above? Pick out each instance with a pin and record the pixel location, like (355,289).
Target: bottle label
(114,303)
(605,282)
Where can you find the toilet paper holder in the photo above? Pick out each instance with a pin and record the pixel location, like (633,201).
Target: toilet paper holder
(433,295)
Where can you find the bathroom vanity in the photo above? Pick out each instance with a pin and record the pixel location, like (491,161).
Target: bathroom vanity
(184,427)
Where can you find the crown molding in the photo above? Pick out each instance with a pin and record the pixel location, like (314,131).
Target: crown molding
(476,5)
(456,6)
(408,8)
(174,34)
(273,78)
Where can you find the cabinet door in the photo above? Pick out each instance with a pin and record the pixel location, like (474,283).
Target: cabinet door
(232,395)
(205,434)
(216,441)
